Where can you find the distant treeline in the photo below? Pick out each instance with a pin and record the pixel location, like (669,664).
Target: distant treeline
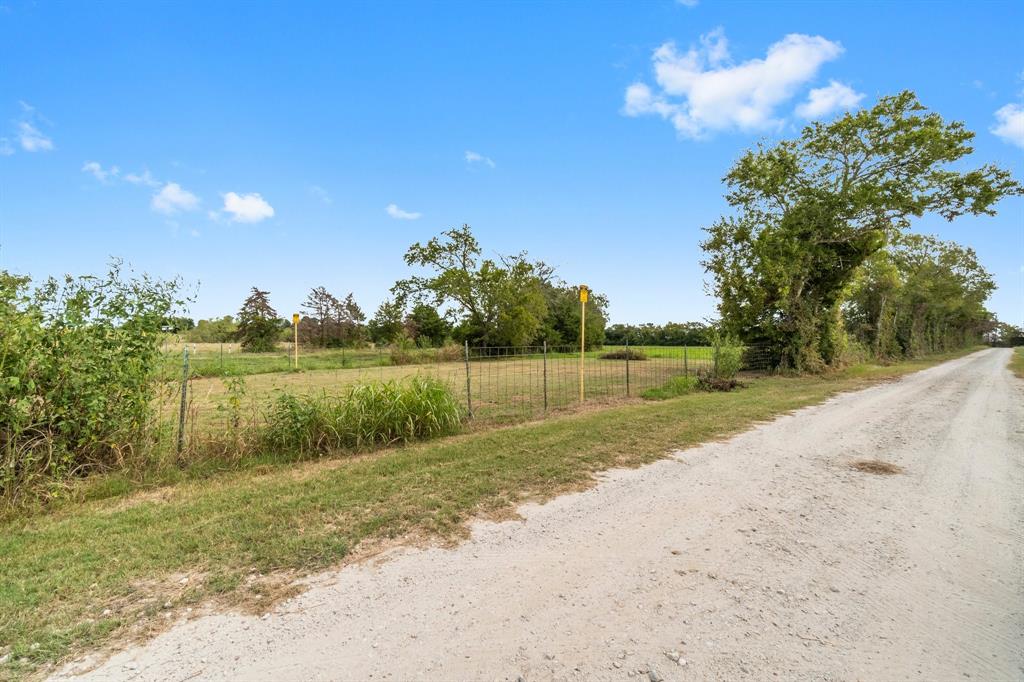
(669,334)
(457,297)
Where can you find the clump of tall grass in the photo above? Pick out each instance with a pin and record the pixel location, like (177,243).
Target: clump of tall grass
(674,387)
(368,415)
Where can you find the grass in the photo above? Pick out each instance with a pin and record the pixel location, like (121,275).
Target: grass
(673,388)
(215,360)
(1017,361)
(76,577)
(227,359)
(503,388)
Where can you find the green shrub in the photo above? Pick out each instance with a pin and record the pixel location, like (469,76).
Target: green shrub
(368,415)
(728,357)
(451,353)
(676,386)
(77,363)
(623,354)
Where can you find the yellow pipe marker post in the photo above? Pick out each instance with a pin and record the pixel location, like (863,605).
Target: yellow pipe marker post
(584,295)
(295,328)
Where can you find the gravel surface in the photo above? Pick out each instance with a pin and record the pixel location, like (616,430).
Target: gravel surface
(764,555)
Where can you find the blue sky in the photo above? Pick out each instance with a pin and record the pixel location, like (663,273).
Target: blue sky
(290,145)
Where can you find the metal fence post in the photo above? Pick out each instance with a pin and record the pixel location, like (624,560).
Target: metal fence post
(545,376)
(469,392)
(686,363)
(627,366)
(184,392)
(716,359)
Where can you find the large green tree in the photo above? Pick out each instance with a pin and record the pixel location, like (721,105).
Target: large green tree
(258,327)
(497,303)
(809,212)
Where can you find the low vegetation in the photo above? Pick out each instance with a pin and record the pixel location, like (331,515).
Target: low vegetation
(1017,361)
(673,388)
(369,415)
(78,361)
(624,354)
(110,556)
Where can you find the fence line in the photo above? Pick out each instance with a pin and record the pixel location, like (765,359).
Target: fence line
(494,383)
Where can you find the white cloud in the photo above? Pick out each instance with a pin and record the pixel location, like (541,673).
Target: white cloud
(473,158)
(1010,124)
(321,194)
(823,101)
(172,198)
(32,139)
(145,179)
(399,214)
(247,208)
(5,147)
(702,90)
(99,172)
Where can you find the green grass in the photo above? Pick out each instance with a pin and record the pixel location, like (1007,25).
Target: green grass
(1017,361)
(60,570)
(209,361)
(673,388)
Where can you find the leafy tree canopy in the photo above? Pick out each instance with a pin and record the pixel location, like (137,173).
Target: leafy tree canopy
(810,211)
(257,323)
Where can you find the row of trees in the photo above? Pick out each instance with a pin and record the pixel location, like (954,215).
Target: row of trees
(458,296)
(919,295)
(824,217)
(511,301)
(669,334)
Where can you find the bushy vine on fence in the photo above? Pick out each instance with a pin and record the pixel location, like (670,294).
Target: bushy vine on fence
(77,363)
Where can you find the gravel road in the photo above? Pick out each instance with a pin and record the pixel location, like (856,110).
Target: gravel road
(764,555)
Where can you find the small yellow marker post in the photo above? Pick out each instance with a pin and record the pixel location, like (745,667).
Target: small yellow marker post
(295,328)
(584,296)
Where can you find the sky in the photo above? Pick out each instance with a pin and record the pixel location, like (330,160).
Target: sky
(299,144)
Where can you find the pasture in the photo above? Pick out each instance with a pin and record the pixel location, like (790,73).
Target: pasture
(504,384)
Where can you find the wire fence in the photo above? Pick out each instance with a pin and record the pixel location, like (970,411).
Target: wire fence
(494,384)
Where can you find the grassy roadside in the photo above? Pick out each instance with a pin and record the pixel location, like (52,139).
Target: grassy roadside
(1017,361)
(72,579)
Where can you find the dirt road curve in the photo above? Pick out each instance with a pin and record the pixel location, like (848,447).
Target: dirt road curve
(764,556)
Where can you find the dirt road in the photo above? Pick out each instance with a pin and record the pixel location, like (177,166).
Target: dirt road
(766,555)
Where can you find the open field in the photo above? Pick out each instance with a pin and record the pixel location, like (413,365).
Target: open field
(227,359)
(74,577)
(504,384)
(772,554)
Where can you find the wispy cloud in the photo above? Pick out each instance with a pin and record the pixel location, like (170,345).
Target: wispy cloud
(146,178)
(320,193)
(100,173)
(1009,125)
(824,101)
(477,159)
(173,198)
(247,208)
(399,214)
(702,90)
(688,3)
(32,139)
